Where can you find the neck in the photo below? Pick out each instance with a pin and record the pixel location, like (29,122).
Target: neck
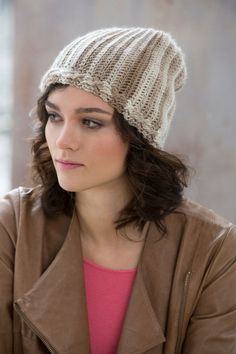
(99,207)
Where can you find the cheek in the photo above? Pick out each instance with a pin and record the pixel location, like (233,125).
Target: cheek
(46,133)
(49,136)
(113,149)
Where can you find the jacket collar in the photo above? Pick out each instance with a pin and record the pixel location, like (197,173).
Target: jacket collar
(55,307)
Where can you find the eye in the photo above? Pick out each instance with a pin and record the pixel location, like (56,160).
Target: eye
(52,117)
(91,124)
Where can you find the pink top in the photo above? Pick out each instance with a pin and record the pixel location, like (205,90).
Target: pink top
(107,294)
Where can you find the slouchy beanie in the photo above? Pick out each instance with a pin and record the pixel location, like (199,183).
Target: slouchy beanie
(135,70)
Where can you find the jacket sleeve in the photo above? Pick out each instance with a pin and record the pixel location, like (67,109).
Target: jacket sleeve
(7,247)
(212,328)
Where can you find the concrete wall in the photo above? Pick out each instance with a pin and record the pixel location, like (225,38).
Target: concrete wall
(204,126)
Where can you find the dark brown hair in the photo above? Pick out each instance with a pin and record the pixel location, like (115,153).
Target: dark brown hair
(156,177)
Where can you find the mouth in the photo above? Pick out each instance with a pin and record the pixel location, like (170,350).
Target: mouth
(67,164)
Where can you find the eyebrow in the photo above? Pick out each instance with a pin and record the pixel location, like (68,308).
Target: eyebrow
(79,110)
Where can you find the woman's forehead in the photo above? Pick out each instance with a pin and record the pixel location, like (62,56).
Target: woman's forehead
(74,96)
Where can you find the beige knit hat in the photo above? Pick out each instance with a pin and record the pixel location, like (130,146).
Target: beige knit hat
(135,70)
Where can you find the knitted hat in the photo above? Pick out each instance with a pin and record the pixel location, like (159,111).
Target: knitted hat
(135,70)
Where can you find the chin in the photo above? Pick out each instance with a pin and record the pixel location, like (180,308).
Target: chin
(68,187)
(73,187)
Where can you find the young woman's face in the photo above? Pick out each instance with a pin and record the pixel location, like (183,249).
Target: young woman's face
(85,147)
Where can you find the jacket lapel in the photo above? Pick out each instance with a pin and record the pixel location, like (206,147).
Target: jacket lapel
(141,330)
(56,305)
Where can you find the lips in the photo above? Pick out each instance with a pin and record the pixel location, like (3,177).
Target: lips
(68,164)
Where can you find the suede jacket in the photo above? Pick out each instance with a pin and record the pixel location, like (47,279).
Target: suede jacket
(183,300)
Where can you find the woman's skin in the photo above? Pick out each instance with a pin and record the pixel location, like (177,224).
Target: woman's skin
(101,184)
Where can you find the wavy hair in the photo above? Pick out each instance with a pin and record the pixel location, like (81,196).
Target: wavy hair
(157,178)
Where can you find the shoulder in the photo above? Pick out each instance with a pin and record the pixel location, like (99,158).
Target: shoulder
(212,231)
(11,206)
(14,199)
(199,213)
(17,202)
(21,212)
(202,217)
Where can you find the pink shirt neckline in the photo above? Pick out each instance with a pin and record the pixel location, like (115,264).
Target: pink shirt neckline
(105,269)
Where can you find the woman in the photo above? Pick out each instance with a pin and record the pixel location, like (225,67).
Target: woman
(105,255)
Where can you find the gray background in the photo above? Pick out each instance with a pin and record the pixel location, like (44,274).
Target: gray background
(204,127)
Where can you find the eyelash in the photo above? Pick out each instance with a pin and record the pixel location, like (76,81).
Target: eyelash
(52,117)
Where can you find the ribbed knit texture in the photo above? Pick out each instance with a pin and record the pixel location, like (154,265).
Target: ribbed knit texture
(135,70)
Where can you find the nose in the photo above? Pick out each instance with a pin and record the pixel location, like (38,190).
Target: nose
(68,138)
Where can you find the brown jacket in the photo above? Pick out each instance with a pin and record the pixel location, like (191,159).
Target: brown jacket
(183,299)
